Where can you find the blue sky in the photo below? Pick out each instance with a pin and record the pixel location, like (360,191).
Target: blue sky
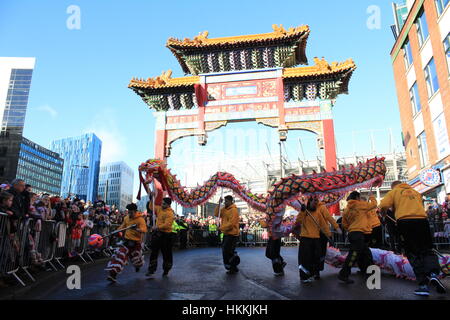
(81,76)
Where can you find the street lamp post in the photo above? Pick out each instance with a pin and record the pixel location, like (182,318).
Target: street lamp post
(71,175)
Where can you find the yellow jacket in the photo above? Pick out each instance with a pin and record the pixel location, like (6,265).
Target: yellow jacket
(164,218)
(132,234)
(374,220)
(406,202)
(229,220)
(309,228)
(328,218)
(356,215)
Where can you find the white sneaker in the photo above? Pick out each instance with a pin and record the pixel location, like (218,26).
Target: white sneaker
(434,280)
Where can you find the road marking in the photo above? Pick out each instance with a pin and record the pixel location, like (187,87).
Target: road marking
(281,297)
(184,296)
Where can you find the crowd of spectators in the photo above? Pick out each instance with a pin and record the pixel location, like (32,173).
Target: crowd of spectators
(439,212)
(20,204)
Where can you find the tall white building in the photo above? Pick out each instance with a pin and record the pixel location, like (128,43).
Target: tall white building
(116,184)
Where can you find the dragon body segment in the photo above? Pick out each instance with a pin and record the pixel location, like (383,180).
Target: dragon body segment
(329,187)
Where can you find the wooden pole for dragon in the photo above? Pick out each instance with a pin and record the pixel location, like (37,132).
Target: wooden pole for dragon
(218,218)
(153,203)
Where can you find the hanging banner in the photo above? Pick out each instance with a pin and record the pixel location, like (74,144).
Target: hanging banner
(441,136)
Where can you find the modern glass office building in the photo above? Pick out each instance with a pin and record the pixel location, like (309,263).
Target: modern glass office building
(81,165)
(40,167)
(116,184)
(15,82)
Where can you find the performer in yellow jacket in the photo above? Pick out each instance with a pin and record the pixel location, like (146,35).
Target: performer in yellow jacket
(132,244)
(162,238)
(356,221)
(229,226)
(312,222)
(325,235)
(414,230)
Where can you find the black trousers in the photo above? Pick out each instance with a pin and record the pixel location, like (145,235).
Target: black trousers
(417,241)
(323,243)
(273,253)
(229,251)
(359,253)
(183,238)
(161,241)
(213,238)
(376,238)
(394,238)
(309,257)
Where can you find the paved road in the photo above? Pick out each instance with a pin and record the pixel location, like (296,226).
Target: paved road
(199,274)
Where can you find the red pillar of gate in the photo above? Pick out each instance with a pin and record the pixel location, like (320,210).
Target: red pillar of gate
(160,144)
(330,153)
(200,94)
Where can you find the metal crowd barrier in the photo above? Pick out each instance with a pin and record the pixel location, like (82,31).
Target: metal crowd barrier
(9,245)
(61,242)
(46,242)
(198,237)
(290,241)
(27,237)
(440,231)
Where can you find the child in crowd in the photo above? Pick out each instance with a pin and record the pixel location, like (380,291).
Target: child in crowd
(77,232)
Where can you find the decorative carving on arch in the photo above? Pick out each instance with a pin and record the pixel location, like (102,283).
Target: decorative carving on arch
(313,126)
(210,126)
(270,122)
(173,135)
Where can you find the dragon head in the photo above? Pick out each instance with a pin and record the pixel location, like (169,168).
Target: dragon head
(152,168)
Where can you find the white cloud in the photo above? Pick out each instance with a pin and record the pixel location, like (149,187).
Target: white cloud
(46,108)
(105,127)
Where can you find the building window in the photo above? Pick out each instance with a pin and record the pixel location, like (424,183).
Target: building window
(447,50)
(422,27)
(431,78)
(441,5)
(423,150)
(407,53)
(415,99)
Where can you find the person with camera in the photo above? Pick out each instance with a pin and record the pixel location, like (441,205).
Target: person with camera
(131,248)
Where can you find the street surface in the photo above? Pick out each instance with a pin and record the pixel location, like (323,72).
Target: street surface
(198,274)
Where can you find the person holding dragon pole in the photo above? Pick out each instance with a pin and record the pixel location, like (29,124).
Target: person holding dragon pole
(132,245)
(312,223)
(356,221)
(162,238)
(229,226)
(414,230)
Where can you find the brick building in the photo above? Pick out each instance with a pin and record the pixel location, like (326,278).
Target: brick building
(421,64)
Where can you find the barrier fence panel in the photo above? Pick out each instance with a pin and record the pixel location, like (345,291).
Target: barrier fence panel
(27,238)
(260,237)
(10,249)
(199,237)
(61,243)
(46,242)
(290,241)
(440,232)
